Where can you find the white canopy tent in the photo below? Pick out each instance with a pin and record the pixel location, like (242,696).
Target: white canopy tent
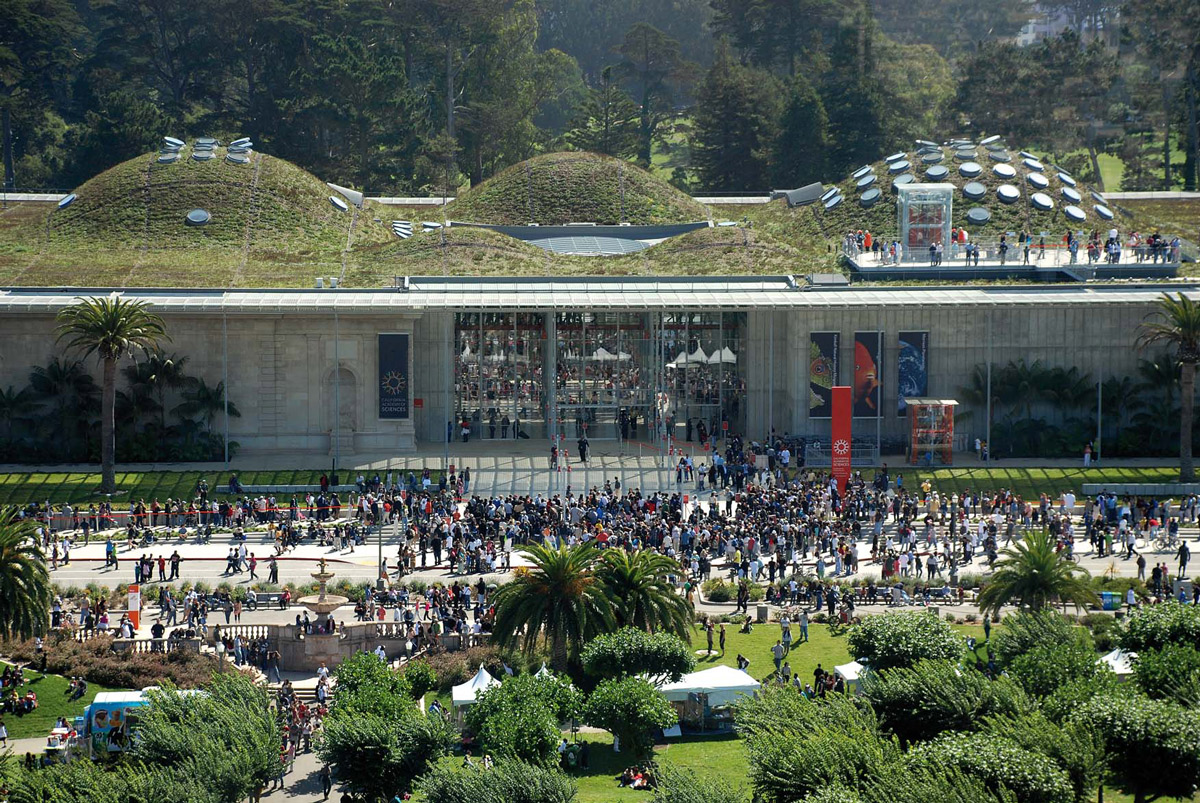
(851,673)
(724,355)
(1120,662)
(722,684)
(465,693)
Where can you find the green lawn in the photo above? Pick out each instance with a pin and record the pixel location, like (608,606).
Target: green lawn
(20,488)
(52,704)
(1030,482)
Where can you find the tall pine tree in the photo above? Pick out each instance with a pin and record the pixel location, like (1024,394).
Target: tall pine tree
(800,154)
(607,120)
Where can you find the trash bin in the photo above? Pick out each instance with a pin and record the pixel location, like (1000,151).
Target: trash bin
(1110,600)
(763,614)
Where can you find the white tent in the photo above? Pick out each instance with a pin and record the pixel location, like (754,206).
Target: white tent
(698,357)
(1120,662)
(724,355)
(722,684)
(851,673)
(603,355)
(465,693)
(544,672)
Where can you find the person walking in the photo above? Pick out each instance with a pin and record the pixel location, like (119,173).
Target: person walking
(1184,554)
(326,781)
(777,654)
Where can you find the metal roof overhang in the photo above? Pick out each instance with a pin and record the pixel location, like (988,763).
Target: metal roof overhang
(594,293)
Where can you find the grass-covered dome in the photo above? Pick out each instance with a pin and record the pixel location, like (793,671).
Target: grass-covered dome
(575,187)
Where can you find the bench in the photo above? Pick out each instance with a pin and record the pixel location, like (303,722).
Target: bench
(266,599)
(286,489)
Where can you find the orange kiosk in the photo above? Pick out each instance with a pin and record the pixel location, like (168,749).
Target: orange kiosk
(931,424)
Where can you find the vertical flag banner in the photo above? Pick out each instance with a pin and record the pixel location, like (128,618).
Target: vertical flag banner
(134,605)
(393,376)
(841,440)
(823,356)
(912,363)
(868,371)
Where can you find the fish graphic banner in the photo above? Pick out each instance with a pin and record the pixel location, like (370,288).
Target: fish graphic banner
(912,363)
(823,348)
(868,368)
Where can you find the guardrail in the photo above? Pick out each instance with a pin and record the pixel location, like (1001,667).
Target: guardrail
(988,253)
(819,455)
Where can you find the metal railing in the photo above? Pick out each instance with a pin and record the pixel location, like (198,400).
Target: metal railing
(820,455)
(988,253)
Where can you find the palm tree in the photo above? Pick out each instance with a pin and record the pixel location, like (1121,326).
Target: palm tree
(1033,574)
(642,591)
(206,401)
(1119,398)
(71,393)
(110,328)
(14,406)
(24,580)
(1179,329)
(559,597)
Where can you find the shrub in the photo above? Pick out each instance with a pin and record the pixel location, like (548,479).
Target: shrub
(901,639)
(932,697)
(520,718)
(1046,667)
(95,661)
(678,785)
(715,589)
(507,782)
(757,593)
(376,756)
(421,678)
(1153,627)
(1104,630)
(630,651)
(1063,702)
(1025,630)
(1075,747)
(798,746)
(997,762)
(1170,673)
(629,708)
(1153,746)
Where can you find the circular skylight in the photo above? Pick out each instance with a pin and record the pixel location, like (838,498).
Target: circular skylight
(866,181)
(860,172)
(1071,195)
(1098,198)
(870,197)
(970,169)
(237,158)
(895,157)
(999,156)
(1008,194)
(829,193)
(989,140)
(1034,164)
(902,179)
(964,154)
(202,156)
(977,215)
(937,172)
(1037,180)
(67,200)
(172,142)
(1005,171)
(833,202)
(1042,201)
(1103,211)
(198,217)
(898,166)
(933,157)
(974,190)
(168,158)
(338,203)
(1074,213)
(1065,179)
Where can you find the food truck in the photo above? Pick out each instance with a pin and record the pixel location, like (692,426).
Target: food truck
(109,720)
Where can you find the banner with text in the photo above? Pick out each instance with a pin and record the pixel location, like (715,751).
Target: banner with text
(393,376)
(823,356)
(841,435)
(868,368)
(912,363)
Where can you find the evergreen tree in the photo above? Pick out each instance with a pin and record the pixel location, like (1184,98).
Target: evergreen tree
(800,151)
(736,120)
(607,120)
(652,64)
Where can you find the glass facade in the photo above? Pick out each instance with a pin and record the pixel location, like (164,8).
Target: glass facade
(628,376)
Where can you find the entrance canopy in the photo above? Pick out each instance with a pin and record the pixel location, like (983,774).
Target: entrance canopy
(466,693)
(722,684)
(1120,662)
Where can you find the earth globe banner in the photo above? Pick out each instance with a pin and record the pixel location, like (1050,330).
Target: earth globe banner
(912,362)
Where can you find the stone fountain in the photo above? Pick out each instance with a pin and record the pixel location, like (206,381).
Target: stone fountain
(323,603)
